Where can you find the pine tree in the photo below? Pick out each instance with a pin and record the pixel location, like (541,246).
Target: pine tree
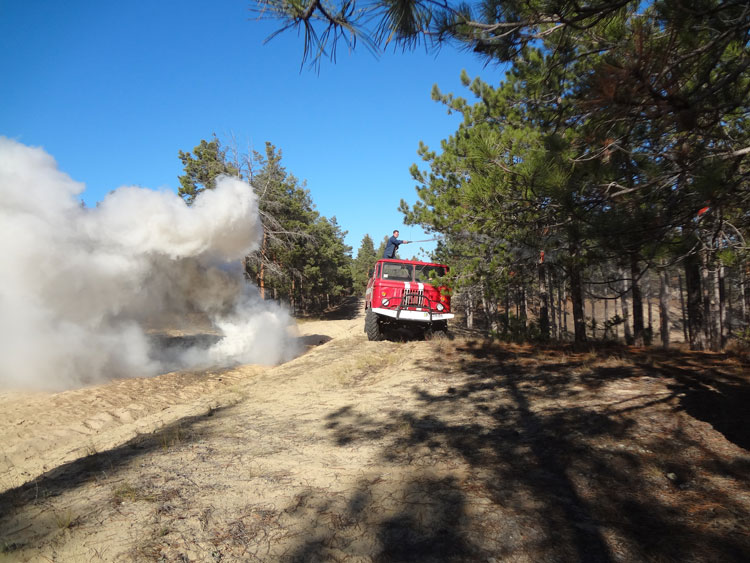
(206,163)
(363,263)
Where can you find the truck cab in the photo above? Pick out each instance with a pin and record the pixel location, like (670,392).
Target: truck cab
(407,294)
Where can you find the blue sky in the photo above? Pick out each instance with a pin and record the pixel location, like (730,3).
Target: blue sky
(113,91)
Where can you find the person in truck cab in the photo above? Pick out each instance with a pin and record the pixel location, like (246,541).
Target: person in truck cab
(392,246)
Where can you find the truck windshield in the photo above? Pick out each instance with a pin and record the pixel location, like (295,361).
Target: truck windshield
(397,272)
(429,273)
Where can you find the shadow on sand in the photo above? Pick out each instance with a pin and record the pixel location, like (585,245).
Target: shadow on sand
(553,470)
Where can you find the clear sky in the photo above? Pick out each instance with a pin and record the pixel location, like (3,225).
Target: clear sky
(114,90)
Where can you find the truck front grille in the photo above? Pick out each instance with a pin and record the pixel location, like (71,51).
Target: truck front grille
(413,299)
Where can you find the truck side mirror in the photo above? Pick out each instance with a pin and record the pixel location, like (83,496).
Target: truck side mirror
(369,274)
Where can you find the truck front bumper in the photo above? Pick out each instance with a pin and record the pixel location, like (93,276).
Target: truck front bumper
(417,316)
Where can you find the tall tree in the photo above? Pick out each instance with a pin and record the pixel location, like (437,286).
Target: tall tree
(363,262)
(206,163)
(302,257)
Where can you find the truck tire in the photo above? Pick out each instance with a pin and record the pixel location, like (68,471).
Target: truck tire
(436,331)
(441,326)
(372,326)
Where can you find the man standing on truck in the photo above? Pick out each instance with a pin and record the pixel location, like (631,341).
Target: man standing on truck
(392,246)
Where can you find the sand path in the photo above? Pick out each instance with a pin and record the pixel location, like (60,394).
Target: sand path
(40,431)
(445,450)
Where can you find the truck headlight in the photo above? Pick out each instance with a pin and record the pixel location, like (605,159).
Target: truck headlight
(385,302)
(440,307)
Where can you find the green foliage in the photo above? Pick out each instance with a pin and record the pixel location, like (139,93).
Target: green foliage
(363,263)
(206,163)
(618,139)
(303,259)
(381,249)
(555,158)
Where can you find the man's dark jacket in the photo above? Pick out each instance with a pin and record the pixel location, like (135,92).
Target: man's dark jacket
(392,247)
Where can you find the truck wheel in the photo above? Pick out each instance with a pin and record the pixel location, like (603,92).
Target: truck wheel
(441,326)
(372,326)
(438,330)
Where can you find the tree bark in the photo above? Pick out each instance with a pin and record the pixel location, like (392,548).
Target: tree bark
(469,309)
(565,309)
(507,312)
(543,303)
(292,301)
(710,314)
(262,269)
(724,307)
(576,295)
(625,310)
(743,301)
(552,311)
(593,317)
(696,334)
(683,310)
(606,317)
(638,328)
(716,312)
(664,308)
(490,315)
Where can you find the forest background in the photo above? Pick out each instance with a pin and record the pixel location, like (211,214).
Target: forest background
(611,158)
(603,177)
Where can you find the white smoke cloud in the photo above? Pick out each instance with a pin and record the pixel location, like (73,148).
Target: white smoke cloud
(80,287)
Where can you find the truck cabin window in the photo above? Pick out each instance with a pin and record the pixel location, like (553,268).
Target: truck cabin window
(428,273)
(397,272)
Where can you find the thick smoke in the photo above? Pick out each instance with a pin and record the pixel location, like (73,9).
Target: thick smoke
(82,289)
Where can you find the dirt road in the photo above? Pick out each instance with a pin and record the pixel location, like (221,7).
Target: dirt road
(448,450)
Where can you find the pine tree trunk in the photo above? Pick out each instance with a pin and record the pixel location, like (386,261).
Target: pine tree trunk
(743,301)
(506,316)
(606,317)
(696,334)
(543,303)
(683,310)
(262,270)
(638,328)
(552,308)
(709,305)
(664,308)
(716,306)
(292,301)
(490,315)
(624,308)
(576,295)
(565,309)
(593,317)
(469,309)
(724,307)
(617,326)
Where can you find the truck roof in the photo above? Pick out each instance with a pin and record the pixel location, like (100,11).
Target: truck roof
(399,261)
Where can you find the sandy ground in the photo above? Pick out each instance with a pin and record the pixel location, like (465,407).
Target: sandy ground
(445,450)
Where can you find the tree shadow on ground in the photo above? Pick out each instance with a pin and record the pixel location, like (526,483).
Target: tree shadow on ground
(720,399)
(426,527)
(574,457)
(14,503)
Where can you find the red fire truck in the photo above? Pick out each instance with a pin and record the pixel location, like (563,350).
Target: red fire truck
(402,294)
